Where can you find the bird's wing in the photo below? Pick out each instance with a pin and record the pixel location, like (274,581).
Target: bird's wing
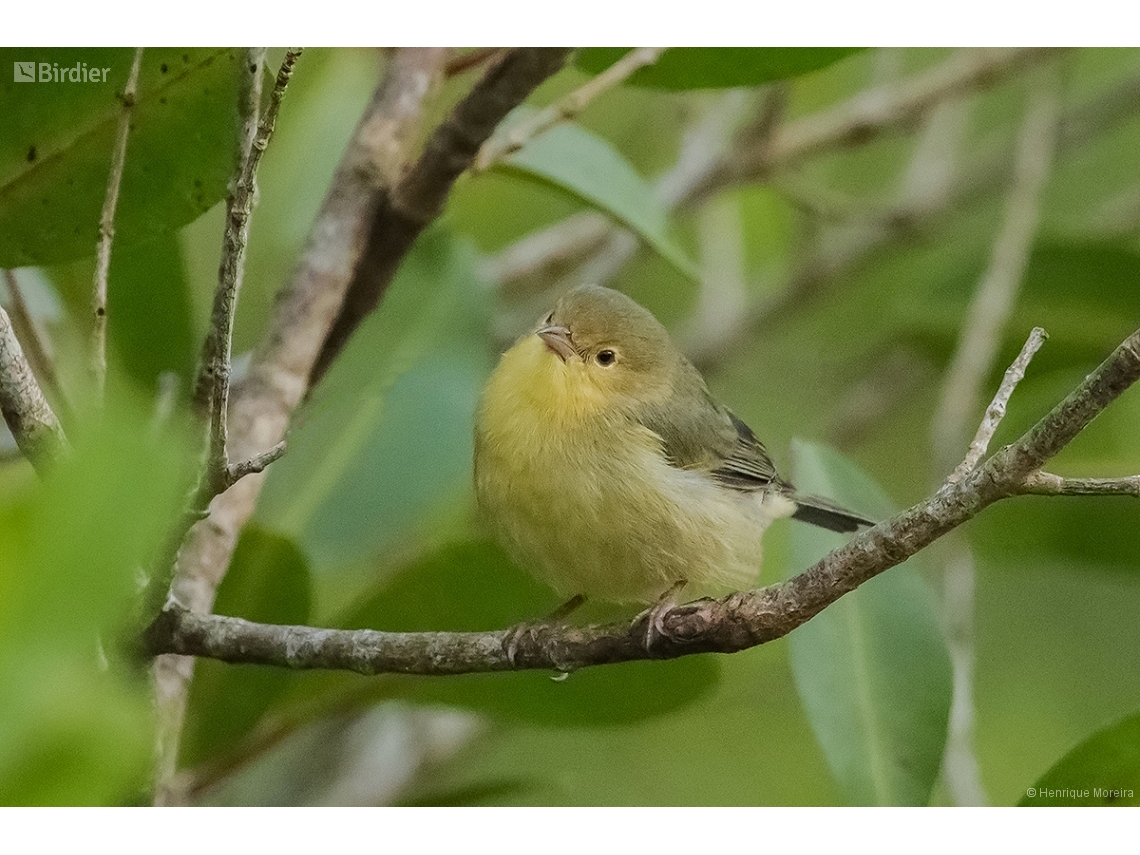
(748,467)
(708,437)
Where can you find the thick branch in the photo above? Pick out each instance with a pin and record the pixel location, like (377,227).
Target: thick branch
(419,196)
(728,625)
(26,412)
(1068,418)
(261,405)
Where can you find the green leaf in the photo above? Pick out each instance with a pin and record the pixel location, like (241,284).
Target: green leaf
(75,722)
(69,735)
(716,68)
(473,586)
(267,582)
(57,138)
(576,161)
(872,669)
(149,312)
(1103,770)
(359,471)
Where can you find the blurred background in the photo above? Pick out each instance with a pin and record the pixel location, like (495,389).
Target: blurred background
(814,226)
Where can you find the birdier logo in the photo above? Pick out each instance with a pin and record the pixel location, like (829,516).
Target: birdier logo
(52,72)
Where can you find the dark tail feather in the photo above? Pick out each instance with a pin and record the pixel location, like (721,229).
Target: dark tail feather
(825,514)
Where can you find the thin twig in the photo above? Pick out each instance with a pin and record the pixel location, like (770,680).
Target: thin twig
(35,348)
(733,623)
(107,233)
(213,383)
(252,465)
(777,148)
(214,375)
(1047,484)
(212,386)
(992,303)
(995,412)
(262,403)
(866,115)
(564,109)
(547,253)
(26,411)
(982,331)
(834,264)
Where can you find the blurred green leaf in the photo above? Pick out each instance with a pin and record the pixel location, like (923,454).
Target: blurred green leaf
(149,322)
(71,734)
(57,138)
(872,669)
(744,742)
(267,582)
(708,68)
(388,434)
(1103,770)
(73,730)
(576,161)
(1106,270)
(473,586)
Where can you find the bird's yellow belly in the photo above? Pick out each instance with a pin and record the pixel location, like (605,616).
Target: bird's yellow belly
(612,519)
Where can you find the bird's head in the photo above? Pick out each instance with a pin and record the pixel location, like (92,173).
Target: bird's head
(597,349)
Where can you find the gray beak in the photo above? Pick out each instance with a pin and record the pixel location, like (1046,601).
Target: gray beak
(558,340)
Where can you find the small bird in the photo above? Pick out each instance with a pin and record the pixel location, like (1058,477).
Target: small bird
(606,468)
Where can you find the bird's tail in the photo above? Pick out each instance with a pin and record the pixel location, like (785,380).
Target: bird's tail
(825,514)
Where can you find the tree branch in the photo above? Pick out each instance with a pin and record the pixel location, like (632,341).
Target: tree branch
(26,412)
(870,113)
(418,198)
(993,300)
(982,332)
(995,412)
(1047,484)
(733,623)
(767,149)
(262,403)
(564,109)
(836,262)
(35,347)
(212,387)
(107,232)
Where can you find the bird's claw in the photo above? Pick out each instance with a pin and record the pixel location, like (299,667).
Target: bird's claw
(515,634)
(655,617)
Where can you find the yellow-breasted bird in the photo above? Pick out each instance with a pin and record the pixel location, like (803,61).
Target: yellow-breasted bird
(606,468)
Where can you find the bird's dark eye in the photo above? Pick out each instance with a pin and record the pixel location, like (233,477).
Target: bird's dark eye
(548,319)
(606,357)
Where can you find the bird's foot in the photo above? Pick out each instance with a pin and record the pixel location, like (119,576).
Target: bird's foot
(655,616)
(530,629)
